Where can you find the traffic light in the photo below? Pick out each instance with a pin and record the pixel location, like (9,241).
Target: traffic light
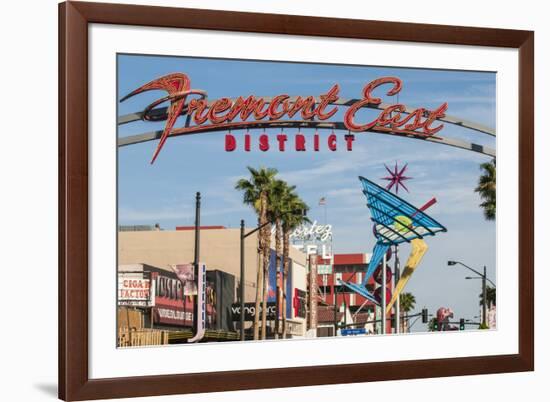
(461,324)
(424,316)
(435,325)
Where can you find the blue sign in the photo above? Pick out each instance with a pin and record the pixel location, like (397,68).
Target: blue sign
(353,331)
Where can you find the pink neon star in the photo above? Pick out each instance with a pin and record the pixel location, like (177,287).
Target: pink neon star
(396,178)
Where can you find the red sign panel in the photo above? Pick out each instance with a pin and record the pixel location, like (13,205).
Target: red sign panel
(172,307)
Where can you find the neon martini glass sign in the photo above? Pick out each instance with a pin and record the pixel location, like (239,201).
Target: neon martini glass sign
(244,112)
(395,221)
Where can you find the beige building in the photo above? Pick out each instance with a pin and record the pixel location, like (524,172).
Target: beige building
(219,249)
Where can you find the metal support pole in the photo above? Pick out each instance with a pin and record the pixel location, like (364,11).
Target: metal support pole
(335,308)
(383,294)
(196,260)
(396,276)
(484,293)
(242,280)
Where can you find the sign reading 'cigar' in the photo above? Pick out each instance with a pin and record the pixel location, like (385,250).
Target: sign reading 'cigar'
(281,111)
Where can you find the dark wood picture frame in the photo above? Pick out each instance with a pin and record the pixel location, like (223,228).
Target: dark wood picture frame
(74,382)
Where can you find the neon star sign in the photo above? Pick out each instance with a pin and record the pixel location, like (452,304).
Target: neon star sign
(396,178)
(261,112)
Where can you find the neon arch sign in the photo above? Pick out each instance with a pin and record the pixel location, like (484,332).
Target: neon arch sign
(280,110)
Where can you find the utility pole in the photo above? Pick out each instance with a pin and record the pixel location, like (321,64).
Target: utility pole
(484,293)
(383,294)
(242,284)
(196,260)
(484,280)
(335,305)
(396,276)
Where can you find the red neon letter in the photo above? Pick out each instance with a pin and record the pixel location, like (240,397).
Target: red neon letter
(264,142)
(300,142)
(247,142)
(349,141)
(328,98)
(331,141)
(230,143)
(316,142)
(281,138)
(436,114)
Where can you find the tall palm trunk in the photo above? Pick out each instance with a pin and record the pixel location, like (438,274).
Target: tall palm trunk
(278,278)
(266,258)
(266,234)
(261,291)
(286,260)
(259,287)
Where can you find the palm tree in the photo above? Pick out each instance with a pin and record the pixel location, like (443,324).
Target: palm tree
(407,301)
(294,215)
(491,297)
(487,189)
(277,198)
(256,193)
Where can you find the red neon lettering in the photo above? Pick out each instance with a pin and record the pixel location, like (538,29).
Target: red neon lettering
(349,141)
(331,141)
(367,99)
(328,98)
(219,106)
(264,142)
(221,113)
(300,141)
(230,143)
(247,142)
(281,138)
(275,103)
(316,142)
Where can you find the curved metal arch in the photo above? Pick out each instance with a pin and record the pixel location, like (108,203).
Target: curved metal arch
(155,135)
(160,114)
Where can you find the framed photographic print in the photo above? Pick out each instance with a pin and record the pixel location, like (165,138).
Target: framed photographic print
(260,200)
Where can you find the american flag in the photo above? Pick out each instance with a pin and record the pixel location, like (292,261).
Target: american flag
(322,201)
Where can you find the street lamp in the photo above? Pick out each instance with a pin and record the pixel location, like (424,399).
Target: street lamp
(484,279)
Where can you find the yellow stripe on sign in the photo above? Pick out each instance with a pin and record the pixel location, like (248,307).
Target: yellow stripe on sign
(418,249)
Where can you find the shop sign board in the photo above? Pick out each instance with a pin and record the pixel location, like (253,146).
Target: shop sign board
(250,311)
(134,289)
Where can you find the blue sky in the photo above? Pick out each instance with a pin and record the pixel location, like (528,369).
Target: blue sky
(164,192)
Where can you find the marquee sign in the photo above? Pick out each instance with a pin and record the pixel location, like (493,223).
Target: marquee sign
(253,112)
(313,232)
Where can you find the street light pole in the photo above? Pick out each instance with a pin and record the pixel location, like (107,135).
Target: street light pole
(484,292)
(396,276)
(484,280)
(196,260)
(242,280)
(383,294)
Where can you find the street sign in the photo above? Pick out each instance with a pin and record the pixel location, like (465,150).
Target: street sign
(353,331)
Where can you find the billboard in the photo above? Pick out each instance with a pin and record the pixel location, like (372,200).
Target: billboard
(220,295)
(172,306)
